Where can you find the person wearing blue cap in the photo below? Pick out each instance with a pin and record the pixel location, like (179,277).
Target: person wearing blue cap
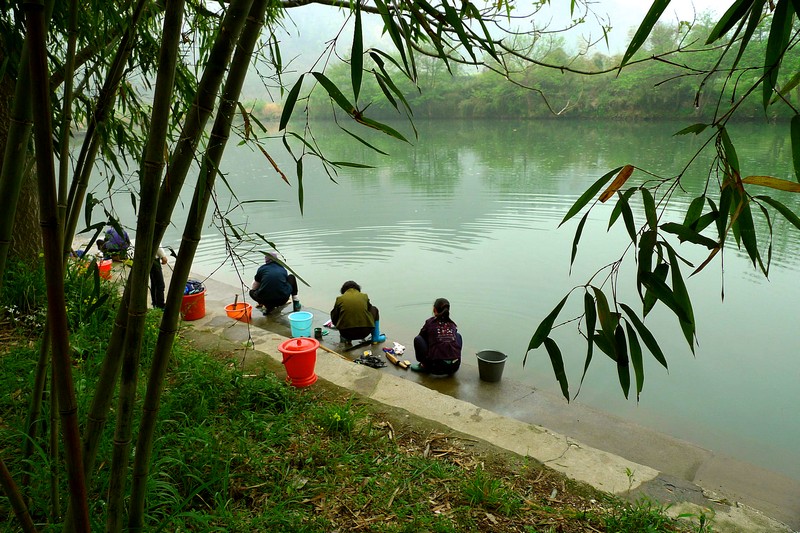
(273,286)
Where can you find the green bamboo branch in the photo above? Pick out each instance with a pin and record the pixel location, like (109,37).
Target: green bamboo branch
(197,116)
(102,111)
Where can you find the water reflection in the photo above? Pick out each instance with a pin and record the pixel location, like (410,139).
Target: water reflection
(471,213)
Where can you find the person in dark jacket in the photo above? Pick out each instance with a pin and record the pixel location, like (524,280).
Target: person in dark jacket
(438,345)
(273,286)
(354,316)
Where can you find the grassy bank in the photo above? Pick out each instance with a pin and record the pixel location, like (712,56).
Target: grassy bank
(247,452)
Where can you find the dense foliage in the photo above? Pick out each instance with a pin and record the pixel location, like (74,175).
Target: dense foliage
(662,82)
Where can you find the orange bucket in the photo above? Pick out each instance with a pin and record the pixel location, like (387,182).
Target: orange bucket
(240,311)
(193,306)
(300,358)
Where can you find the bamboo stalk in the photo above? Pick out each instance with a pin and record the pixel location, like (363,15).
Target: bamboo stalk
(15,499)
(232,28)
(150,176)
(54,267)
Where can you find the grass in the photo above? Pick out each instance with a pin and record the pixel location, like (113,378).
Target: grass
(242,452)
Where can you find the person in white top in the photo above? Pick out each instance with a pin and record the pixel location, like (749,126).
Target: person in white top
(157,278)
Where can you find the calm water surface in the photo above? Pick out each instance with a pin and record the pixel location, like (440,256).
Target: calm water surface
(471,213)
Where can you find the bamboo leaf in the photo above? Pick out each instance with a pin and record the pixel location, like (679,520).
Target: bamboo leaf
(288,106)
(694,128)
(623,370)
(747,230)
(591,320)
(663,293)
(546,326)
(649,209)
(733,15)
(451,15)
(617,211)
(788,86)
(577,238)
(391,28)
(334,92)
(725,202)
(787,213)
(755,18)
(362,141)
(608,320)
(647,337)
(385,89)
(688,234)
(381,127)
(777,42)
(357,55)
(682,298)
(773,183)
(729,149)
(630,225)
(588,195)
(606,346)
(557,363)
(350,164)
(647,244)
(636,359)
(618,182)
(794,131)
(650,298)
(639,38)
(300,192)
(376,57)
(694,211)
(704,221)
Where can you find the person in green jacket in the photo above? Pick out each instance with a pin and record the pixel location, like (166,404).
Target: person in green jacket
(354,316)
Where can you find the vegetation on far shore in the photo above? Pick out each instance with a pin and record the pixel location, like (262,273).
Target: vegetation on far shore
(247,452)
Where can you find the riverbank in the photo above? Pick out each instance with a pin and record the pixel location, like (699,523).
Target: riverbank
(609,454)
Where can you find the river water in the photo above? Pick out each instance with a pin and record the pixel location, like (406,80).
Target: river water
(471,212)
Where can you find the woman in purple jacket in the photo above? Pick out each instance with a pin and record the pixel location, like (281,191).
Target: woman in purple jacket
(438,345)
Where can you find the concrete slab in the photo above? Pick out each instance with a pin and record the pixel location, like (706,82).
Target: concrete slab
(589,446)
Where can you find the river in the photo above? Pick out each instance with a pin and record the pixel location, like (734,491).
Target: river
(471,210)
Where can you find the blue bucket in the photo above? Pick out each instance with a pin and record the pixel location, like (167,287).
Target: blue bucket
(301,323)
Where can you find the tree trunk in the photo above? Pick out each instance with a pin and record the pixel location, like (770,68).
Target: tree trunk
(26,240)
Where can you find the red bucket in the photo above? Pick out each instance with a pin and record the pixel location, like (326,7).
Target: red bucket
(104,268)
(193,306)
(300,358)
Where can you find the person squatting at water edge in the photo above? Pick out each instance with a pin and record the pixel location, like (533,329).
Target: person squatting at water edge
(114,246)
(354,316)
(273,285)
(438,345)
(157,278)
